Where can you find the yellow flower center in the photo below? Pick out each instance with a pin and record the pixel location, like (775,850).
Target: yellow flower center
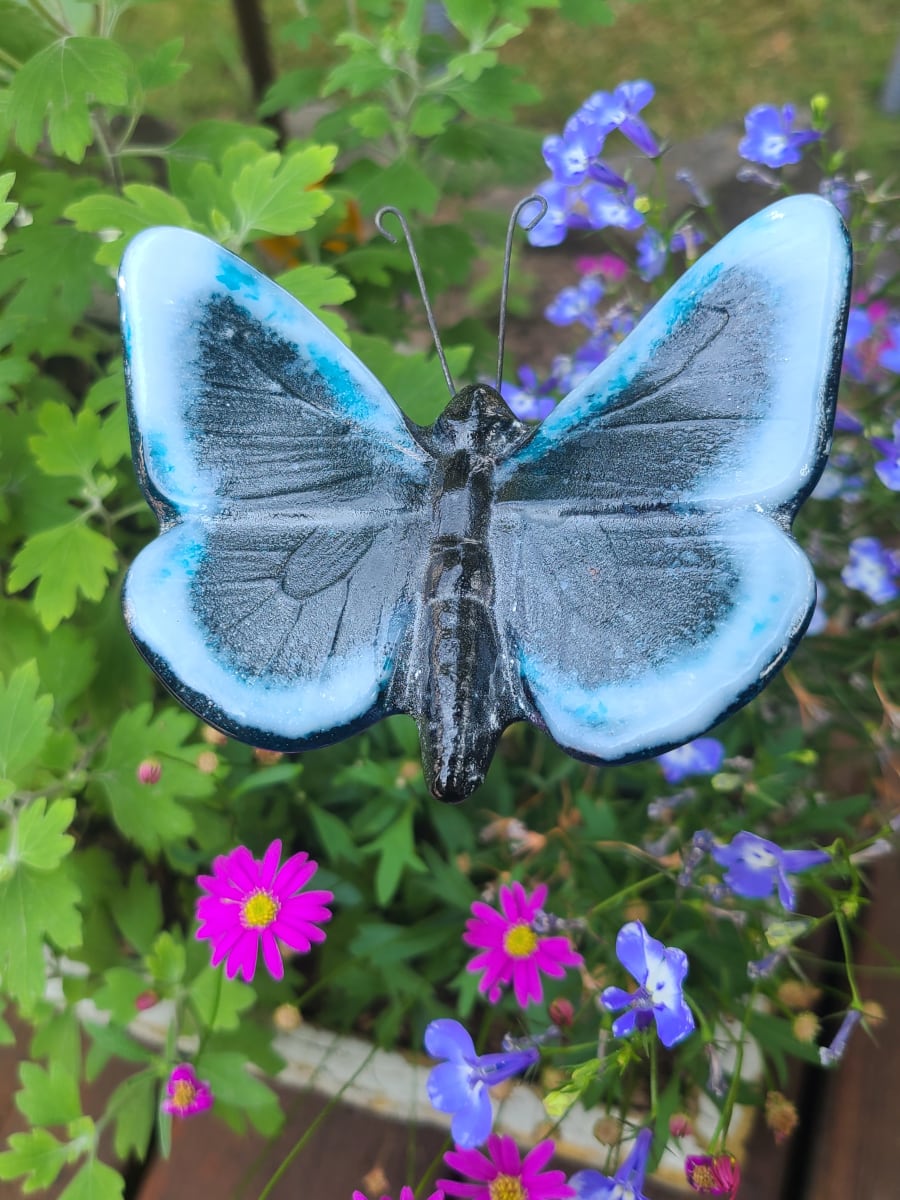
(183,1094)
(519,942)
(702,1176)
(507,1187)
(259,910)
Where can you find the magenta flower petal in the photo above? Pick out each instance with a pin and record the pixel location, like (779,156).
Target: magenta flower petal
(249,901)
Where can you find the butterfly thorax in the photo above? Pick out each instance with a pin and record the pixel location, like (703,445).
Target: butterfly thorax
(458,638)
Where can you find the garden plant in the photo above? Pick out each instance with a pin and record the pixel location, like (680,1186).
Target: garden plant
(619,939)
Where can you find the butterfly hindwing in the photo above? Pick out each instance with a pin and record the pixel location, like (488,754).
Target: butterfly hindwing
(291,492)
(658,495)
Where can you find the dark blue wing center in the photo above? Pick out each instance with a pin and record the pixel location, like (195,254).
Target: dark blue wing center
(275,423)
(282,602)
(675,420)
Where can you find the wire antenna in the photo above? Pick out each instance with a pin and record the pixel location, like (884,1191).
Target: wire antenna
(432,325)
(507,259)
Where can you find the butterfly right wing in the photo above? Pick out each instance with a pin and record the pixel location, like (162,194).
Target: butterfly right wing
(650,584)
(292,496)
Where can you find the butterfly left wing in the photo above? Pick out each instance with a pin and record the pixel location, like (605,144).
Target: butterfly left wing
(291,493)
(647,582)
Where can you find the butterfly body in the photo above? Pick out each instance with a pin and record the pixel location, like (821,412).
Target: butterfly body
(621,575)
(458,680)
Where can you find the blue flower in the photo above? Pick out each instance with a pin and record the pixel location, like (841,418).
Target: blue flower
(551,229)
(829,1055)
(569,156)
(756,866)
(689,239)
(660,971)
(576,304)
(845,422)
(651,255)
(889,354)
(703,756)
(611,206)
(460,1085)
(872,569)
(771,138)
(628,1181)
(859,329)
(888,470)
(618,110)
(531,401)
(839,192)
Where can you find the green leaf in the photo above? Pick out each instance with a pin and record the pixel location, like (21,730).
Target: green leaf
(166,961)
(337,843)
(59,86)
(231,1082)
(134,1103)
(414,380)
(7,207)
(396,847)
(58,1039)
(471,17)
(65,560)
(34,905)
(432,116)
(37,1155)
(95,1181)
(402,178)
(48,1097)
(161,67)
(67,445)
(495,95)
(140,206)
(272,194)
(24,720)
(220,1001)
(153,815)
(40,841)
(138,909)
(119,993)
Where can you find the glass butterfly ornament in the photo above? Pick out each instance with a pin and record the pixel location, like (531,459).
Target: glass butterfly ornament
(621,575)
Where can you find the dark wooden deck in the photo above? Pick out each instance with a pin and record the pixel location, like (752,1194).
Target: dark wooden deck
(847,1147)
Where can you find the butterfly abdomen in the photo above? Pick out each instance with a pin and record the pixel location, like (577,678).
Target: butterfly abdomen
(458,645)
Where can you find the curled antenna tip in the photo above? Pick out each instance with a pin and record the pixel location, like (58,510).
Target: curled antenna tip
(536,198)
(379,221)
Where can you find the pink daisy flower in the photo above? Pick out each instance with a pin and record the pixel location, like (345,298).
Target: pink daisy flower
(406,1193)
(512,951)
(185,1093)
(254,902)
(505,1176)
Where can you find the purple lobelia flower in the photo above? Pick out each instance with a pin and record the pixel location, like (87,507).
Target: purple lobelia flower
(771,138)
(845,422)
(839,192)
(611,206)
(628,1181)
(688,239)
(756,866)
(569,156)
(873,569)
(618,110)
(889,352)
(460,1085)
(703,756)
(651,254)
(888,469)
(660,972)
(576,304)
(829,1055)
(531,400)
(860,328)
(551,229)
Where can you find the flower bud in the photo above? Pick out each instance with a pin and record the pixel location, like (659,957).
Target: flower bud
(286,1018)
(781,1116)
(806,1027)
(680,1125)
(207,762)
(267,758)
(149,771)
(562,1012)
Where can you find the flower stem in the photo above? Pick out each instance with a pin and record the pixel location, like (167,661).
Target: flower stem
(301,1142)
